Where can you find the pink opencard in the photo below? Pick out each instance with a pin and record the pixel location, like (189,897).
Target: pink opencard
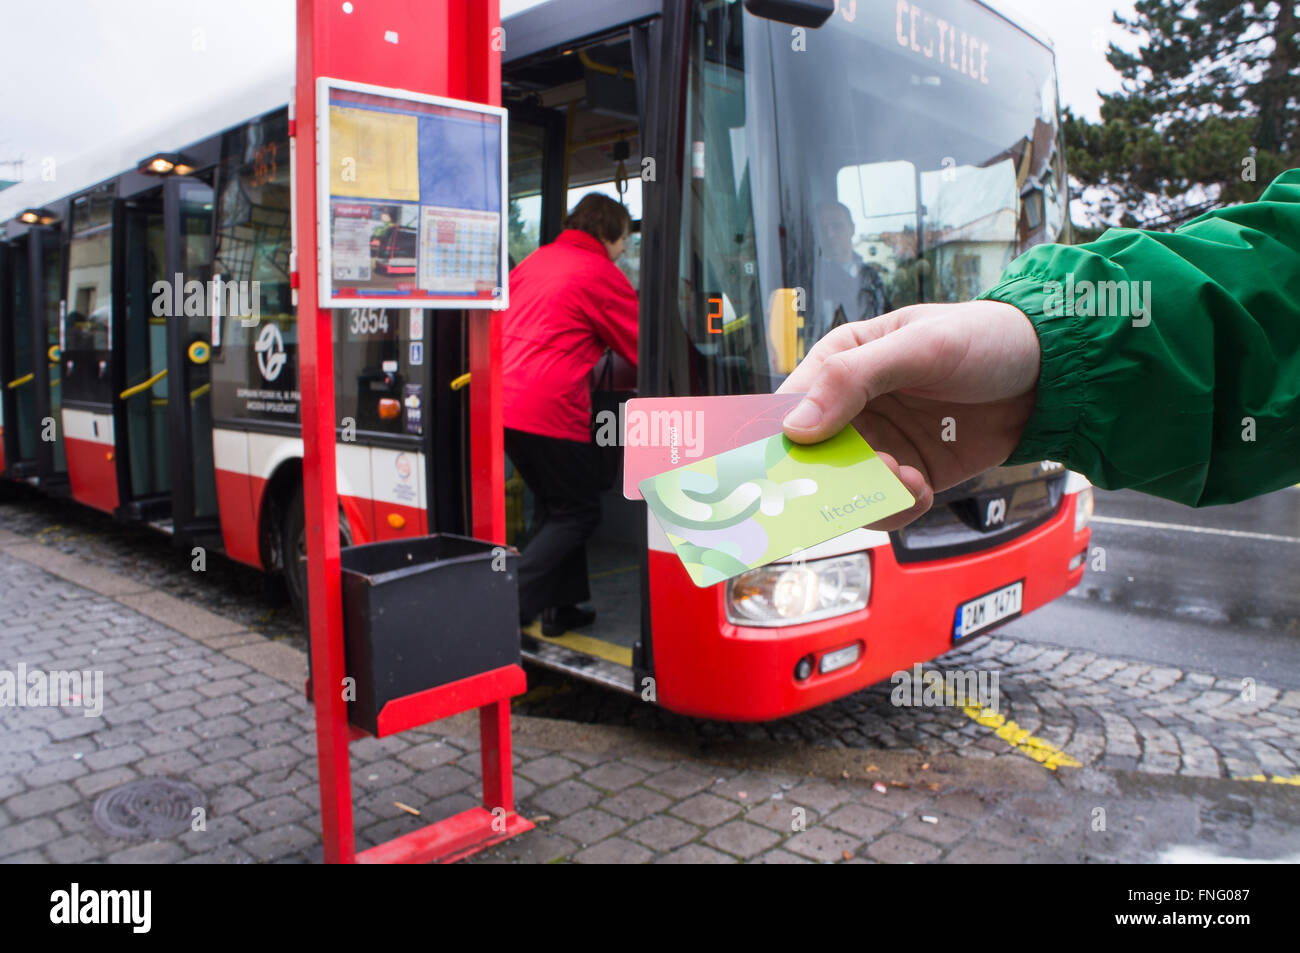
(663,433)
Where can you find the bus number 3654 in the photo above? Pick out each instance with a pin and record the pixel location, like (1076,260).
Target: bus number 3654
(368,321)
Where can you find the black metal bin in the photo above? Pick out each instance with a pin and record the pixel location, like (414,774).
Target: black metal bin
(419,613)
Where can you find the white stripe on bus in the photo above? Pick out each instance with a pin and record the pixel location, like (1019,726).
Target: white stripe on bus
(361,468)
(230,451)
(80,425)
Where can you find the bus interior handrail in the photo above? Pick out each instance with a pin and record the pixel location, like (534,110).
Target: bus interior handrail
(143,385)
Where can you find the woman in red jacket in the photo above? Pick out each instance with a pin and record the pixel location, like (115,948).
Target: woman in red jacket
(568,302)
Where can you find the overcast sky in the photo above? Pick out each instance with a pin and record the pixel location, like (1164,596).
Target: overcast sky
(79,72)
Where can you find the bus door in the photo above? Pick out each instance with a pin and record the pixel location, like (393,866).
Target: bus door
(85,331)
(47,306)
(575,127)
(33,282)
(536,216)
(140,371)
(188,211)
(17,369)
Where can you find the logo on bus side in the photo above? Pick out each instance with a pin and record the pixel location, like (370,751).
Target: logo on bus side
(270,351)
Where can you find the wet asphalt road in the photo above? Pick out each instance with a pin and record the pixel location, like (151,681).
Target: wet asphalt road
(1212,590)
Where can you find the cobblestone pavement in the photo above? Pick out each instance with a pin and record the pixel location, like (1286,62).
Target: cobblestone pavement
(1112,714)
(1105,713)
(236,591)
(194,695)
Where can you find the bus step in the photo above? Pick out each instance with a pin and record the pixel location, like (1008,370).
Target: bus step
(201,531)
(147,510)
(163,526)
(578,664)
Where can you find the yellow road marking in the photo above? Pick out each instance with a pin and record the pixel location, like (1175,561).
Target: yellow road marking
(45,534)
(585,644)
(1275,779)
(1044,752)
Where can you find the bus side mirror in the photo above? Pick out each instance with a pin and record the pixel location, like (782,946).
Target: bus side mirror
(807,13)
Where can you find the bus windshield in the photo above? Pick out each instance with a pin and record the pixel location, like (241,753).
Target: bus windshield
(908,153)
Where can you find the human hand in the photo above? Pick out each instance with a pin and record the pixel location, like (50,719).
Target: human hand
(896,377)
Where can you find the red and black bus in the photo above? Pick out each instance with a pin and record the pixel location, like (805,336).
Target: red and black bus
(148,336)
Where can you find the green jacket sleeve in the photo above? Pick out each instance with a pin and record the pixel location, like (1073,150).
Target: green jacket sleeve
(1171,360)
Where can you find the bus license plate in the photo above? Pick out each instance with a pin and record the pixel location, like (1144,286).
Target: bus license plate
(979,614)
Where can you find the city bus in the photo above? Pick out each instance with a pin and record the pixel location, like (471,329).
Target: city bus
(914,148)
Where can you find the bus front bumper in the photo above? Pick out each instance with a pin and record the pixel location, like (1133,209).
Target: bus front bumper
(709,668)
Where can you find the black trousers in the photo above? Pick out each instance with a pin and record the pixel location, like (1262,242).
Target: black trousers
(562,475)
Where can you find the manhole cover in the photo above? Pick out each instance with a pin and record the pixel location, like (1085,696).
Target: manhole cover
(150,807)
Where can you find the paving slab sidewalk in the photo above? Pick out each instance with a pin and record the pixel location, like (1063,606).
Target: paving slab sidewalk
(192,696)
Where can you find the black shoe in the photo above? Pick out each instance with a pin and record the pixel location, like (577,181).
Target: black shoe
(560,619)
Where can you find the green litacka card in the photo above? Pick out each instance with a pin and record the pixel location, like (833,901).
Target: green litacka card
(758,503)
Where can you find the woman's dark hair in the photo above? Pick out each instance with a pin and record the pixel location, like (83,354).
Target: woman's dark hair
(600,217)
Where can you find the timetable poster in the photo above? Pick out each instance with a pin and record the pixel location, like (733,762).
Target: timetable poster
(414,201)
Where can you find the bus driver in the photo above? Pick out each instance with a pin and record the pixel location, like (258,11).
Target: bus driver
(848,289)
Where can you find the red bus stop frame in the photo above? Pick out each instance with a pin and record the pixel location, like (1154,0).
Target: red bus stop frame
(445,48)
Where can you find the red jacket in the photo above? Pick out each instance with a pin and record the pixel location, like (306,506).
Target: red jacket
(568,302)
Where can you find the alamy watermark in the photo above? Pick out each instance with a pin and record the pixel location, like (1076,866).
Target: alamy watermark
(932,689)
(37,689)
(129,907)
(198,299)
(1085,298)
(682,432)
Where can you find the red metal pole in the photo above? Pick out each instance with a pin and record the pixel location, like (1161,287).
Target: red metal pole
(319,483)
(450,48)
(487,455)
(482,68)
(494,736)
(478,72)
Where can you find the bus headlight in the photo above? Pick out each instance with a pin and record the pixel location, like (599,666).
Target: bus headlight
(1082,509)
(794,593)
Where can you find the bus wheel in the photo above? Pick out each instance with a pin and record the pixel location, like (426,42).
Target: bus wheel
(293,549)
